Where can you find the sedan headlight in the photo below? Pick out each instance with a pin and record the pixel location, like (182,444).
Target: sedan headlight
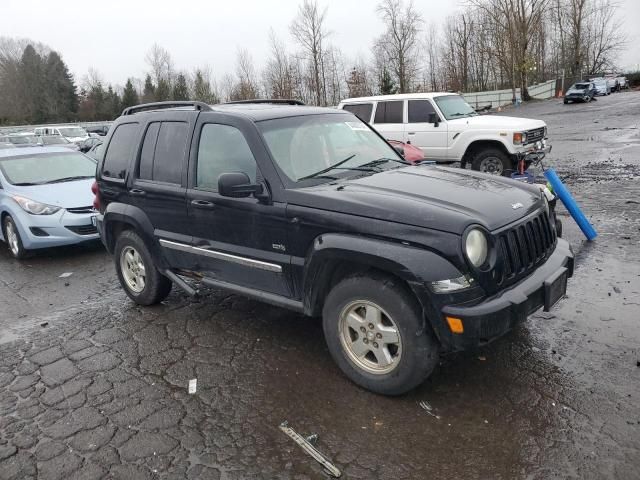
(520,138)
(35,208)
(476,247)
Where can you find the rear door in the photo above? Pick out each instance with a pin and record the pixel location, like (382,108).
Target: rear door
(160,178)
(422,131)
(236,240)
(389,119)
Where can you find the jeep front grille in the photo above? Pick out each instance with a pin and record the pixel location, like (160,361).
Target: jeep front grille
(535,135)
(525,246)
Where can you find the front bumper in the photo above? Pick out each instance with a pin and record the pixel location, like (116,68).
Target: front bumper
(495,316)
(576,97)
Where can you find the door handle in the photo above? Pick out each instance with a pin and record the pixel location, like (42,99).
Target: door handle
(136,192)
(203,204)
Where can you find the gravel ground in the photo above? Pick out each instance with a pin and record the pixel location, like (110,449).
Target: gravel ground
(92,386)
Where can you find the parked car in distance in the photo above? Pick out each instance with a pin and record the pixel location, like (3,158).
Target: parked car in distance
(96,151)
(602,86)
(6,145)
(19,139)
(448,129)
(613,83)
(312,210)
(100,130)
(45,198)
(89,143)
(622,83)
(72,133)
(409,152)
(57,140)
(580,92)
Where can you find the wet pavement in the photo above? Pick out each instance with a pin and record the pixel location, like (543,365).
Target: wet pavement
(92,386)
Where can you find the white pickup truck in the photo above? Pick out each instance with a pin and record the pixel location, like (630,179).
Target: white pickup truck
(448,129)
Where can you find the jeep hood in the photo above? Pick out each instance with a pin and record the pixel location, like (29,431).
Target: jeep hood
(497,122)
(440,198)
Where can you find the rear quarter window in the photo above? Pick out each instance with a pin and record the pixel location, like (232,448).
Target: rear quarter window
(119,151)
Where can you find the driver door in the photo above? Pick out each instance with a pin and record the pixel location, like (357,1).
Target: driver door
(235,240)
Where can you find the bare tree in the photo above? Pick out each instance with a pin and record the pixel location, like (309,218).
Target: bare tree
(400,41)
(309,31)
(161,64)
(278,73)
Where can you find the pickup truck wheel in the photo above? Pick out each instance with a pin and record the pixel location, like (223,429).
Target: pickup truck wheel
(375,332)
(491,160)
(139,277)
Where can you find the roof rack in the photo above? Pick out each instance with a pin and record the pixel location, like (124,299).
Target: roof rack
(162,105)
(271,101)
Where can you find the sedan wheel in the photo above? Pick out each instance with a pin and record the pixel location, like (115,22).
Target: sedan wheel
(133,269)
(12,237)
(370,337)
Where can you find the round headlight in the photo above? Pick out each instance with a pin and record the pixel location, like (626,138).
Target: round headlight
(546,203)
(476,247)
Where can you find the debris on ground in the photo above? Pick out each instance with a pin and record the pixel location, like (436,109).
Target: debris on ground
(193,383)
(65,275)
(428,408)
(307,444)
(44,324)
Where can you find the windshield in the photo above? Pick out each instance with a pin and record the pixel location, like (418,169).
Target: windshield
(325,146)
(54,140)
(21,140)
(46,168)
(454,106)
(581,86)
(72,132)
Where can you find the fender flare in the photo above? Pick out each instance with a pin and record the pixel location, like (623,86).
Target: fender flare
(130,215)
(414,265)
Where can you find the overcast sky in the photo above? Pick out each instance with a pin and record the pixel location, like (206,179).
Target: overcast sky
(113,36)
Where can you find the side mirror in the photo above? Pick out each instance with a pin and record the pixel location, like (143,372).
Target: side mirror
(399,149)
(433,118)
(237,185)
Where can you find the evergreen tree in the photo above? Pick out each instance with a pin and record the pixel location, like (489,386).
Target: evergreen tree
(129,96)
(60,98)
(163,90)
(387,85)
(202,89)
(149,93)
(111,107)
(31,72)
(180,88)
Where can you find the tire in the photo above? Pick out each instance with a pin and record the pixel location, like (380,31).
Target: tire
(493,161)
(12,237)
(566,101)
(406,363)
(136,271)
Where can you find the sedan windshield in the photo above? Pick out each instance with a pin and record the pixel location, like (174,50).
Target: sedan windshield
(45,168)
(326,146)
(581,86)
(454,106)
(72,132)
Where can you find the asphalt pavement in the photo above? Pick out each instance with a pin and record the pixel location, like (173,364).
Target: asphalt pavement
(93,386)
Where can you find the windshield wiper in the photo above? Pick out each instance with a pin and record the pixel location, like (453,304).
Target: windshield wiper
(328,169)
(69,179)
(381,160)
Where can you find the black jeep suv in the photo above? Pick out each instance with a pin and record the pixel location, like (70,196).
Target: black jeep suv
(312,210)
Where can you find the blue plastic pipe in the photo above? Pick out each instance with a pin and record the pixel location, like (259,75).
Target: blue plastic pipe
(563,194)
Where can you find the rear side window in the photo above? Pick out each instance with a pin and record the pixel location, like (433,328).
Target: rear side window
(120,149)
(360,110)
(222,149)
(389,112)
(163,151)
(419,111)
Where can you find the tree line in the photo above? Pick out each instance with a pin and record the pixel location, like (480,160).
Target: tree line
(488,44)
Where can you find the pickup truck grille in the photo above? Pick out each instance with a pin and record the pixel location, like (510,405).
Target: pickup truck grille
(525,246)
(535,135)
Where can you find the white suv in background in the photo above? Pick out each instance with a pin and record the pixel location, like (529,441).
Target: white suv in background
(448,129)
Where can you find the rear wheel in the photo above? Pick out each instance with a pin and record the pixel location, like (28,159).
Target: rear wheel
(491,160)
(136,271)
(566,101)
(12,237)
(376,333)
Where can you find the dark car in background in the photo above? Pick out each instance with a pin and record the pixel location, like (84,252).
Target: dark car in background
(89,143)
(101,130)
(581,92)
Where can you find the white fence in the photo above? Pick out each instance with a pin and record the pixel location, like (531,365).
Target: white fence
(498,98)
(29,128)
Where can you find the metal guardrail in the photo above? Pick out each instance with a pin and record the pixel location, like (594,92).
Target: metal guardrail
(22,128)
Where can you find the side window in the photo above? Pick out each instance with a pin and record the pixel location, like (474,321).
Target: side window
(145,168)
(222,149)
(170,150)
(119,152)
(361,110)
(419,111)
(389,112)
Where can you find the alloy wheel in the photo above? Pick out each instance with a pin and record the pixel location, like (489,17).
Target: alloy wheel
(491,165)
(12,238)
(133,269)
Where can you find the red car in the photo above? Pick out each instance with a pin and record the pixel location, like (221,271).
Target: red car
(410,153)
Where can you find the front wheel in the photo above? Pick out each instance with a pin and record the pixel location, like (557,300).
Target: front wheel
(12,237)
(493,161)
(136,271)
(376,333)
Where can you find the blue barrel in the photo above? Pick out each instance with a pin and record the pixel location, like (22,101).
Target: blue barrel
(563,194)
